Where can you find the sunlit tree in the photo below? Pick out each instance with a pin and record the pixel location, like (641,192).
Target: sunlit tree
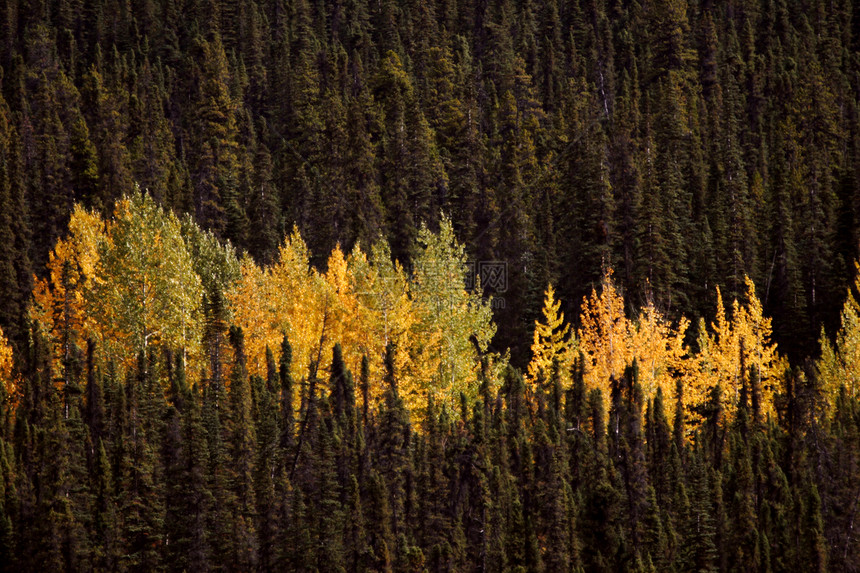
(449,318)
(840,364)
(145,289)
(550,342)
(9,389)
(732,346)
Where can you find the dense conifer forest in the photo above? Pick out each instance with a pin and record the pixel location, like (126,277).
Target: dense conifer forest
(429,285)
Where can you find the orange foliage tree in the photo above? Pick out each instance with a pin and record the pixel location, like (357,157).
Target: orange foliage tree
(733,347)
(610,342)
(10,389)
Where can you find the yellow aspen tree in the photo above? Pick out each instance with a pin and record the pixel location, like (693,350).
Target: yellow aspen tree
(444,358)
(145,290)
(10,388)
(605,336)
(660,352)
(59,299)
(732,346)
(840,365)
(385,311)
(346,316)
(286,298)
(254,306)
(550,341)
(127,283)
(611,342)
(302,310)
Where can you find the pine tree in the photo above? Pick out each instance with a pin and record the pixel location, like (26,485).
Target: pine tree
(241,458)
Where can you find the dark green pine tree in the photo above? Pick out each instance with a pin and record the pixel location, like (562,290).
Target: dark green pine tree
(602,504)
(786,300)
(175,527)
(346,428)
(587,194)
(430,466)
(634,465)
(393,449)
(197,498)
(8,503)
(699,551)
(219,520)
(327,520)
(744,547)
(94,404)
(413,181)
(287,421)
(813,553)
(140,501)
(214,164)
(378,519)
(264,209)
(241,462)
(152,146)
(357,545)
(269,504)
(106,519)
(15,272)
(659,441)
(107,106)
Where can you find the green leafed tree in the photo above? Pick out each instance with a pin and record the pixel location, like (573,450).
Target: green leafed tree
(145,290)
(450,317)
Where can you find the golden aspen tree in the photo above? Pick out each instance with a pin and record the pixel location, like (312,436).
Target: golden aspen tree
(59,299)
(126,283)
(254,307)
(550,341)
(286,298)
(303,309)
(611,342)
(732,346)
(605,336)
(386,312)
(659,349)
(10,392)
(347,320)
(840,364)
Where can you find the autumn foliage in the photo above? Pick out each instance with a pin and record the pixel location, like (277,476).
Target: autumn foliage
(143,278)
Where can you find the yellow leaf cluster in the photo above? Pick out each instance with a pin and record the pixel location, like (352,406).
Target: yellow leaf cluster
(662,357)
(840,365)
(385,312)
(360,303)
(550,342)
(6,379)
(364,302)
(282,299)
(59,299)
(443,359)
(125,283)
(733,346)
(605,336)
(611,342)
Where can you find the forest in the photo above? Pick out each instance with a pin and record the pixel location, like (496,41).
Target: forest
(440,285)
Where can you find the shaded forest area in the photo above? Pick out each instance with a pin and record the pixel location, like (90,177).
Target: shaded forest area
(686,145)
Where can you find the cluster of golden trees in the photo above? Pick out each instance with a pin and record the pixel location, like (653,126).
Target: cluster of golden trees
(144,278)
(729,349)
